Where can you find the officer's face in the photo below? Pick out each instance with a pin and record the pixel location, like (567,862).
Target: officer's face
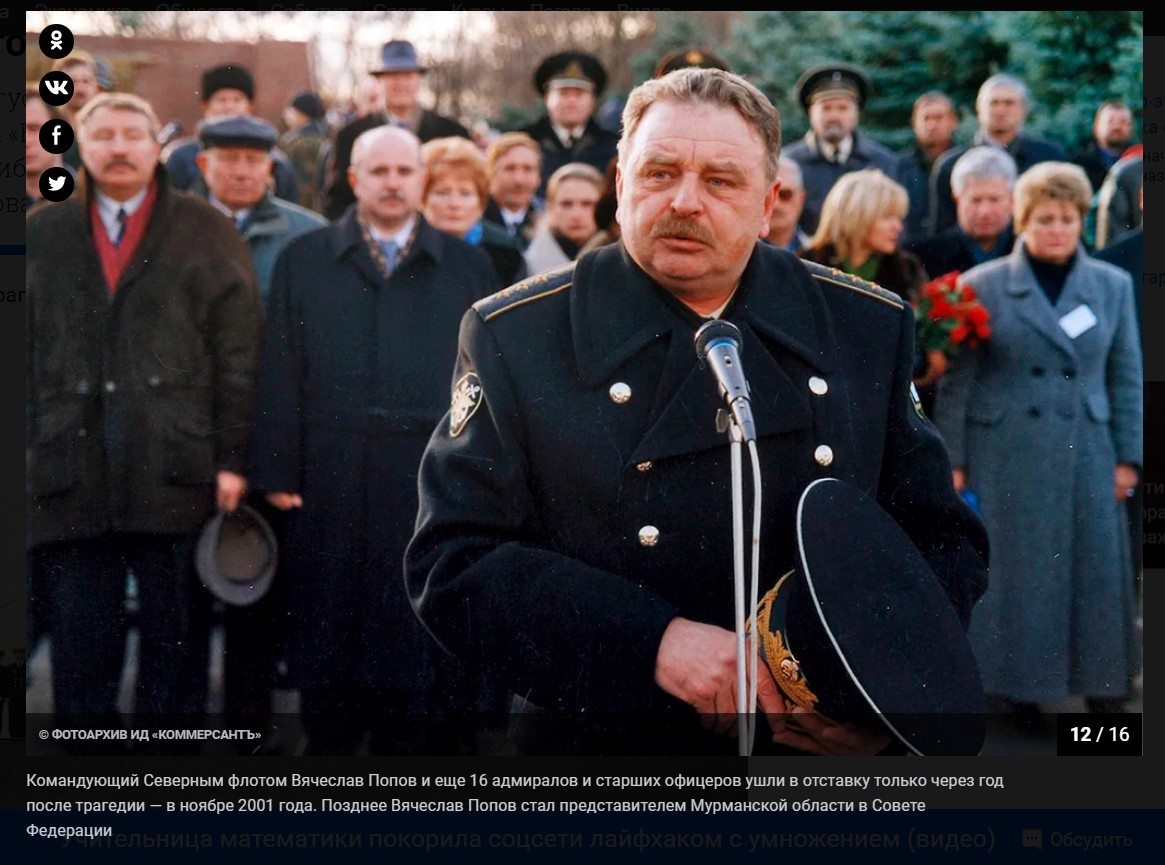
(1114,127)
(516,177)
(119,150)
(934,124)
(694,198)
(84,85)
(788,206)
(571,210)
(984,208)
(833,118)
(388,178)
(400,90)
(226,101)
(236,176)
(570,106)
(1002,111)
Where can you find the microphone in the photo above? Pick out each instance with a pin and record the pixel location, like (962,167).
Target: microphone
(718,347)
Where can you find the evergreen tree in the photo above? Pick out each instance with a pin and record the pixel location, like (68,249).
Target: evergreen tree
(1073,61)
(907,53)
(772,49)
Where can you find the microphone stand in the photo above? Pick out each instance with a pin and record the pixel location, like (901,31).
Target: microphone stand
(745,664)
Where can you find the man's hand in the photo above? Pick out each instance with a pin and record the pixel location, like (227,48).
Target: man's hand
(231,489)
(285,501)
(1124,481)
(812,732)
(697,664)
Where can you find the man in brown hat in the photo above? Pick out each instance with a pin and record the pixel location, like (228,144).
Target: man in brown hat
(570,83)
(833,96)
(400,74)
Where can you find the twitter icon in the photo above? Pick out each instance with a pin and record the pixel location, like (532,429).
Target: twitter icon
(56,184)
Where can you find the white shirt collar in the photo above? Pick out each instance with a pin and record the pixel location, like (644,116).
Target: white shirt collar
(400,238)
(237,216)
(107,209)
(564,133)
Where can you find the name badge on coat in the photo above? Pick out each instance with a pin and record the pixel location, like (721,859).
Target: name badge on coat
(1078,320)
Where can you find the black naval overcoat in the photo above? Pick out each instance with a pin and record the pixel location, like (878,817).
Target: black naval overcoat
(577,497)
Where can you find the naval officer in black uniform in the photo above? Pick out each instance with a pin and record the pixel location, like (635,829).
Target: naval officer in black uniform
(575,523)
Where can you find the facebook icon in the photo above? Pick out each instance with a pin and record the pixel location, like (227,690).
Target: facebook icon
(56,136)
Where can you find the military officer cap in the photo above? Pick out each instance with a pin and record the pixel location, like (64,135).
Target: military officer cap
(570,69)
(241,130)
(685,58)
(861,630)
(832,79)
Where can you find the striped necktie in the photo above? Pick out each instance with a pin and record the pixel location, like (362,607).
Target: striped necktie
(122,216)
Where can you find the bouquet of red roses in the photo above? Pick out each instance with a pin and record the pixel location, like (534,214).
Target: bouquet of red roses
(949,316)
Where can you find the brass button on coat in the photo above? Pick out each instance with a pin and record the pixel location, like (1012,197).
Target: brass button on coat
(823,455)
(644,466)
(648,536)
(818,385)
(620,392)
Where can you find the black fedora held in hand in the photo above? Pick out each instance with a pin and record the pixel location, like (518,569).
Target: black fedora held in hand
(236,556)
(861,631)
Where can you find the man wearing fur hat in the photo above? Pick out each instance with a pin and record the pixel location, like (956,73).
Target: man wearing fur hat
(226,90)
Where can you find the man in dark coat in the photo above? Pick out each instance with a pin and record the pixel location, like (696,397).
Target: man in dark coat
(142,344)
(566,535)
(570,83)
(934,121)
(982,180)
(514,162)
(226,91)
(1128,253)
(833,96)
(359,345)
(1112,133)
(1002,108)
(400,74)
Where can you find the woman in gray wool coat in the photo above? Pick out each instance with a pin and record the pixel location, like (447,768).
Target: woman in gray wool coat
(1044,423)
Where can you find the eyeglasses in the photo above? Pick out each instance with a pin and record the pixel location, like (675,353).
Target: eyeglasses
(786,194)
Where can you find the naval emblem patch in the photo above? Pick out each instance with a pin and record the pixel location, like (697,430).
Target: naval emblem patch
(467,395)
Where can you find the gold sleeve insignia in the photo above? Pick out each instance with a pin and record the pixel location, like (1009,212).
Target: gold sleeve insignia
(467,394)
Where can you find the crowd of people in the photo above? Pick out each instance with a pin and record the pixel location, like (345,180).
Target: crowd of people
(455,374)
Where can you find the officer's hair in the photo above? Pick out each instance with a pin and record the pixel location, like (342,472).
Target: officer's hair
(458,157)
(120,102)
(1001,79)
(697,85)
(932,97)
(1114,104)
(982,163)
(575,171)
(506,142)
(366,139)
(1050,181)
(794,169)
(853,204)
(78,57)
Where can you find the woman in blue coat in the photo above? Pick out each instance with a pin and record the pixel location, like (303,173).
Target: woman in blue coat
(1044,422)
